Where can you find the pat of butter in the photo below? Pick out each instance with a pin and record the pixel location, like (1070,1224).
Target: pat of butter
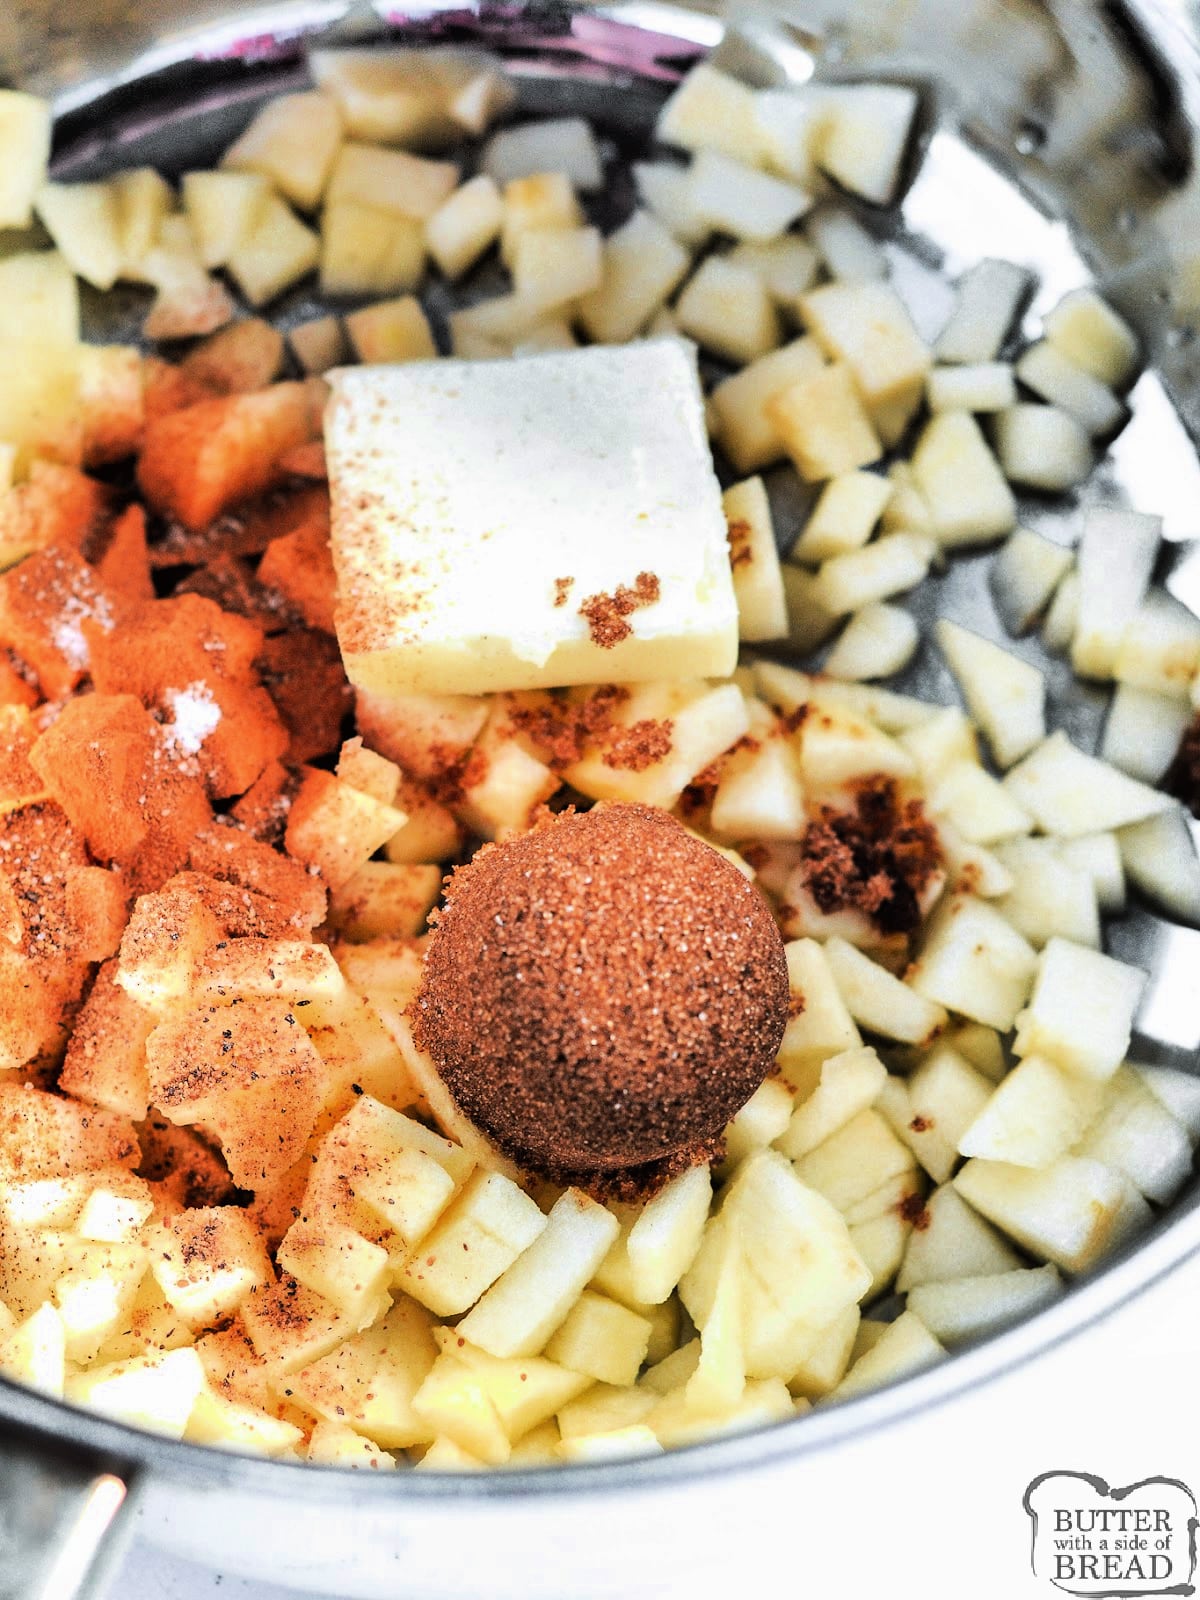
(527,523)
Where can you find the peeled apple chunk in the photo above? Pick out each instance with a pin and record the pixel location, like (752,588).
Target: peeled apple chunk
(1069,793)
(1005,695)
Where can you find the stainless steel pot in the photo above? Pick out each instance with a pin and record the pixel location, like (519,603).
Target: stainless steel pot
(1093,113)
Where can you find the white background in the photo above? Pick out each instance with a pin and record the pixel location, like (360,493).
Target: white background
(932,1507)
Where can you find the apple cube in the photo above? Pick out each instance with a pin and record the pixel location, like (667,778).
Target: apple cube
(744,427)
(844,516)
(391,331)
(1036,1114)
(729,312)
(276,251)
(957,1311)
(664,1238)
(866,326)
(1042,447)
(222,207)
(823,424)
(957,475)
(1178,1091)
(526,1391)
(1160,647)
(844,245)
(466,224)
(336,828)
(761,1121)
(1159,856)
(601,1339)
(1142,732)
(83,221)
(719,1379)
(155,1392)
(290,1326)
(789,119)
(96,1294)
(862,135)
(809,623)
(980,388)
(34,1352)
(951,1240)
(336,1263)
(975,963)
(880,1243)
(1024,575)
(1005,695)
(879,1001)
(1049,896)
(228,1424)
(711,111)
(366,249)
(562,144)
(1055,378)
(852,1163)
(860,578)
(989,296)
(293,143)
(1090,1043)
(319,344)
(666,191)
(207,1261)
(525,1306)
(1099,855)
(495,1221)
(757,581)
(619,1445)
(1135,1133)
(453,1402)
(1116,557)
(977,805)
(786,265)
(675,1422)
(332,1444)
(1069,793)
(760,796)
(1070,1213)
(542,200)
(904,1347)
(730,197)
(554,266)
(877,642)
(819,1025)
(1087,330)
(368,1382)
(25,125)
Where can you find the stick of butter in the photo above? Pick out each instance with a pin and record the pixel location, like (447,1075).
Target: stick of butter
(519,524)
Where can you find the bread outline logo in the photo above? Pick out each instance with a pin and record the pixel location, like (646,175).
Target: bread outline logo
(1102,1543)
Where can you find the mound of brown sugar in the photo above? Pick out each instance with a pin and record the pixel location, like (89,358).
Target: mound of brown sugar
(602,994)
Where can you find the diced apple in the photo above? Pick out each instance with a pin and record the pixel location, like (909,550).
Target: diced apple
(878,1001)
(25,125)
(465,225)
(788,120)
(905,1346)
(1159,649)
(293,142)
(959,1310)
(761,796)
(1091,1041)
(222,207)
(332,1444)
(889,566)
(951,1240)
(711,111)
(1069,793)
(877,642)
(1099,855)
(728,311)
(564,144)
(1063,615)
(823,424)
(730,197)
(34,1351)
(525,1390)
(989,296)
(1049,896)
(983,387)
(1089,332)
(853,1162)
(844,245)
(844,516)
(1034,1116)
(760,1122)
(1042,447)
(1070,1213)
(977,806)
(975,963)
(1159,856)
(367,250)
(1116,557)
(838,748)
(495,1220)
(862,135)
(1142,732)
(866,326)
(702,728)
(523,1308)
(1135,1133)
(850,1082)
(745,429)
(1005,695)
(454,1402)
(1023,577)
(276,251)
(961,482)
(642,265)
(153,1392)
(83,221)
(820,1025)
(1052,376)
(757,582)
(1178,1091)
(786,265)
(719,1379)
(391,331)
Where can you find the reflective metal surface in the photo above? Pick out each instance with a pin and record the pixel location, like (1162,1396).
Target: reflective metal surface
(1059,135)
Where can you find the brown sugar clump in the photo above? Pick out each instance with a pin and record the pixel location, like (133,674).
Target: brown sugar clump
(602,994)
(606,614)
(303,674)
(876,859)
